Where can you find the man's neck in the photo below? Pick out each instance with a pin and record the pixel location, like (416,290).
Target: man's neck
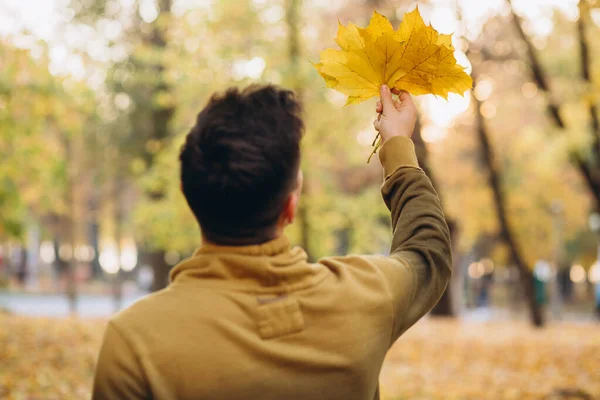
(217,240)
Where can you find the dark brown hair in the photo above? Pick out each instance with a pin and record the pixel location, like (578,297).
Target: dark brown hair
(240,162)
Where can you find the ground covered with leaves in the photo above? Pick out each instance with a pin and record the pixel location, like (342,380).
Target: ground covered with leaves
(47,358)
(501,360)
(54,359)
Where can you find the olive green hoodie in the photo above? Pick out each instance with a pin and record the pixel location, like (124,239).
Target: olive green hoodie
(260,322)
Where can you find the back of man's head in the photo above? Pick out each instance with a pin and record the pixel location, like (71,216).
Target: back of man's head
(240,163)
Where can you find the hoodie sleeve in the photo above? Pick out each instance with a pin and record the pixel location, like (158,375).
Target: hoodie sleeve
(419,266)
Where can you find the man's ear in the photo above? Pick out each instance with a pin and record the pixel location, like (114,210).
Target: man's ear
(291,204)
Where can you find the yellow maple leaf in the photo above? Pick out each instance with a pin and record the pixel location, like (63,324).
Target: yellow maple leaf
(415,58)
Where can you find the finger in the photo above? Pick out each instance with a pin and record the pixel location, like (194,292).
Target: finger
(376,124)
(398,105)
(406,99)
(396,91)
(386,98)
(378,107)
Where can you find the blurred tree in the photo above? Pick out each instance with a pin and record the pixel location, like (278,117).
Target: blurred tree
(42,120)
(531,180)
(142,94)
(495,181)
(26,137)
(159,114)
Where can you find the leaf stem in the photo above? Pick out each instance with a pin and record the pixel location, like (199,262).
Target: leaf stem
(377,144)
(375,140)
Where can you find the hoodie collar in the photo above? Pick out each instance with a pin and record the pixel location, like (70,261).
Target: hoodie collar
(273,247)
(270,267)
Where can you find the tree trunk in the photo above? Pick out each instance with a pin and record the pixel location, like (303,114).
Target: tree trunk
(500,204)
(117,278)
(160,269)
(445,307)
(293,16)
(70,194)
(450,302)
(161,116)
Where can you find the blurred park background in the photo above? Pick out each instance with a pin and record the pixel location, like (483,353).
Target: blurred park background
(96,97)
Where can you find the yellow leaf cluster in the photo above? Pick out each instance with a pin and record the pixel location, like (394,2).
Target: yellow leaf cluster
(415,58)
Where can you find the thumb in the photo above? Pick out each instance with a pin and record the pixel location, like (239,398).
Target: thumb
(386,98)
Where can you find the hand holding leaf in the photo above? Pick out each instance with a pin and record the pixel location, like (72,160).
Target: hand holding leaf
(394,117)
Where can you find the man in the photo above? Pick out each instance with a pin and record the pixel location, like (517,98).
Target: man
(247,317)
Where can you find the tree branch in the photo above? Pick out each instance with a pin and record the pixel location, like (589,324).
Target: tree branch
(537,71)
(589,173)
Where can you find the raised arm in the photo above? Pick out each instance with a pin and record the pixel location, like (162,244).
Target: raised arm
(419,266)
